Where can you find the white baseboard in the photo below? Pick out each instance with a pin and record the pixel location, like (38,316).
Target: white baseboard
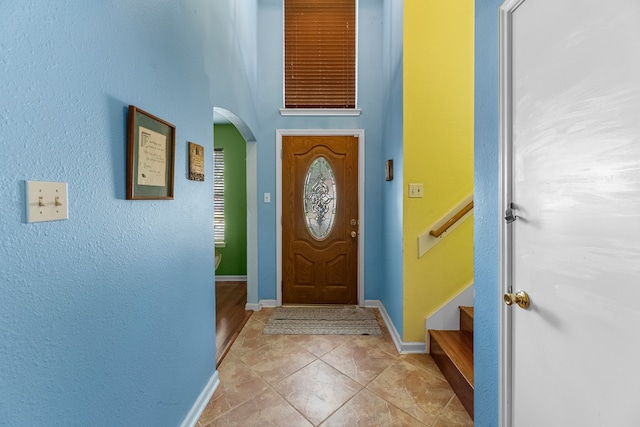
(401,346)
(413,347)
(447,317)
(268,303)
(252,307)
(196,410)
(395,336)
(231,278)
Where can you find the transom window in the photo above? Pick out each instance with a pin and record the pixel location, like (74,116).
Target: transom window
(218,195)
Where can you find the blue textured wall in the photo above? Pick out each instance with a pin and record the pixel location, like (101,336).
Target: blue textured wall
(229,32)
(486,215)
(106,318)
(392,287)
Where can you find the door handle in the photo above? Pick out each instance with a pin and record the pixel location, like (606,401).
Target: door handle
(521,298)
(354,234)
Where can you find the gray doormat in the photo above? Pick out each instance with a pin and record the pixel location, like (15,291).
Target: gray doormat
(322,321)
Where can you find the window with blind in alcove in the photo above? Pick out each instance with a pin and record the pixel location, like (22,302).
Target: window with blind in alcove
(218,196)
(320,53)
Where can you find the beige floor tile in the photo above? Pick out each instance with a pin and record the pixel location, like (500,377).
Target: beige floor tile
(317,390)
(266,409)
(261,315)
(454,415)
(369,410)
(362,359)
(414,390)
(238,384)
(247,337)
(319,345)
(276,361)
(252,338)
(424,361)
(384,342)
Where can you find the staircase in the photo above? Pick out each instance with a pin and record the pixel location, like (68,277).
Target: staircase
(453,353)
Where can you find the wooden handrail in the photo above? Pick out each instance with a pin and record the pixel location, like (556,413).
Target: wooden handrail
(440,231)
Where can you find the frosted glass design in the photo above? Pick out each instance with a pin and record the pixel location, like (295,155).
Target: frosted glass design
(319,198)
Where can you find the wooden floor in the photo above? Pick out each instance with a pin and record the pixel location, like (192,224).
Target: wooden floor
(231,298)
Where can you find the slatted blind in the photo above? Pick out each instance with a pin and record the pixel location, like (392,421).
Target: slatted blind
(320,53)
(218,195)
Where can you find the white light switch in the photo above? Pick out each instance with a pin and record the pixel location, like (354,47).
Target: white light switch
(46,201)
(267,197)
(415,190)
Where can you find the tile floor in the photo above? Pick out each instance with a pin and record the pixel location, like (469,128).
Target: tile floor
(328,380)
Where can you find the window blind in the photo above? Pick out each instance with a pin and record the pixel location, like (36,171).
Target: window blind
(320,53)
(218,195)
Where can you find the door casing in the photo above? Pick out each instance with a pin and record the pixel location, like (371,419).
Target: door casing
(361,218)
(505,126)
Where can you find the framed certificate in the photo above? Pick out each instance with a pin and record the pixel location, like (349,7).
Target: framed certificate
(150,156)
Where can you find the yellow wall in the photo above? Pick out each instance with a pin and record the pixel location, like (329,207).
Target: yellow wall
(438,151)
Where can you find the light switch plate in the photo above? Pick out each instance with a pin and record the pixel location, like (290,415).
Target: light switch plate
(415,190)
(267,197)
(46,201)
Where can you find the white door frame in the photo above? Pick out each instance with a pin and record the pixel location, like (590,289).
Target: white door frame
(319,132)
(505,383)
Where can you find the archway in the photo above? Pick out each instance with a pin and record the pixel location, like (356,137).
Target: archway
(220,116)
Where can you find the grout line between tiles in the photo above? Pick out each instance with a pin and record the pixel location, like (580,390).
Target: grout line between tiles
(392,404)
(442,410)
(290,404)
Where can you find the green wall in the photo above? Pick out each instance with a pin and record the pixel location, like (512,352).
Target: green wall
(234,255)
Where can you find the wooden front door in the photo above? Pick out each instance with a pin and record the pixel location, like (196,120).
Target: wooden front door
(319,219)
(571,240)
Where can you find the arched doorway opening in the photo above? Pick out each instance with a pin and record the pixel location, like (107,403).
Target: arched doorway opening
(238,255)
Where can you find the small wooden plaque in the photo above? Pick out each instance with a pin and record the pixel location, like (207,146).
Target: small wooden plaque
(196,162)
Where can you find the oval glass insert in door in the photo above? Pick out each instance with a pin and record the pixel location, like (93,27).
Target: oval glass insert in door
(319,198)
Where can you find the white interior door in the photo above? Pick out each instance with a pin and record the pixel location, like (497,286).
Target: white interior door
(571,167)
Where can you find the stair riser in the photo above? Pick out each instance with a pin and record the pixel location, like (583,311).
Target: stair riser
(466,322)
(458,383)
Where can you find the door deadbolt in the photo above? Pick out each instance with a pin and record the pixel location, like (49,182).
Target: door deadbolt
(521,298)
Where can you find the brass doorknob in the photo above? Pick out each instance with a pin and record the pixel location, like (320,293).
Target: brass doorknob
(521,298)
(354,234)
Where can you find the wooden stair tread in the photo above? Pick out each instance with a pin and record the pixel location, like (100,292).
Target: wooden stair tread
(457,346)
